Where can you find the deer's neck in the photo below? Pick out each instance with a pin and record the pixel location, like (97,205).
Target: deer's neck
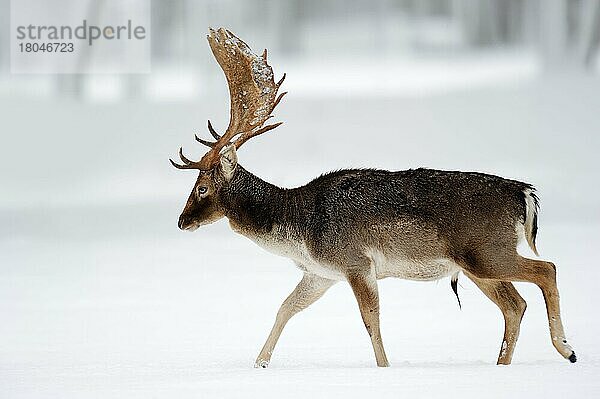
(255,207)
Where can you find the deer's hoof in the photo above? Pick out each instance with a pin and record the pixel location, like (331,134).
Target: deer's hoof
(261,364)
(573,358)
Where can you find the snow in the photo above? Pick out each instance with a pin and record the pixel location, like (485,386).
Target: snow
(184,315)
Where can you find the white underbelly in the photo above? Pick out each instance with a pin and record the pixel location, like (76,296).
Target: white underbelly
(426,270)
(385,265)
(434,269)
(325,271)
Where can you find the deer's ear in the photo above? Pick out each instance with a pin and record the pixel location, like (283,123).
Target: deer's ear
(228,160)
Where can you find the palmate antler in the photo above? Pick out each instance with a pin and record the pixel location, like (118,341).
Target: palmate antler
(252,92)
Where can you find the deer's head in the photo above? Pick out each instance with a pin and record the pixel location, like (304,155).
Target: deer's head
(253,96)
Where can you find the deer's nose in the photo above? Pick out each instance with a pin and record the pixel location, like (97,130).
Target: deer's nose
(183,221)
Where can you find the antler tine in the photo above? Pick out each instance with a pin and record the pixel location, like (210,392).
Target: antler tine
(188,163)
(265,129)
(280,80)
(212,131)
(245,137)
(183,158)
(278,99)
(207,143)
(188,166)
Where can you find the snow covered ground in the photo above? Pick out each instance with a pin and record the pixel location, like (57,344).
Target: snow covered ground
(102,297)
(184,315)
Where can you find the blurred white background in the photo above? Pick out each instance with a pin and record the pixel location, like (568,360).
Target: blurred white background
(101,294)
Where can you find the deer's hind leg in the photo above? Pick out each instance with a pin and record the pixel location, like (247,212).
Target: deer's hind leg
(496,264)
(543,274)
(512,305)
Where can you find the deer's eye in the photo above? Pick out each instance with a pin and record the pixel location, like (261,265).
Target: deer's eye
(201,190)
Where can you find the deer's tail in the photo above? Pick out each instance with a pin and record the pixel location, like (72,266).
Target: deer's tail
(532,206)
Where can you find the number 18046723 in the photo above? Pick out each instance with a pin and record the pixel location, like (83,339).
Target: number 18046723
(55,47)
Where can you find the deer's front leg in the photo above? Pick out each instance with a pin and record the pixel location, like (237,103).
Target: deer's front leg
(364,285)
(308,290)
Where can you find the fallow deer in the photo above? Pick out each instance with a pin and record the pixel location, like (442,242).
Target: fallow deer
(361,225)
